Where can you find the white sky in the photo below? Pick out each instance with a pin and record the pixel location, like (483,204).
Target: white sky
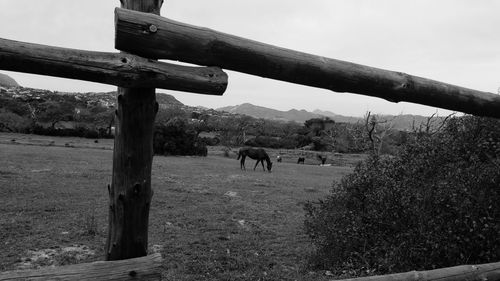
(454,41)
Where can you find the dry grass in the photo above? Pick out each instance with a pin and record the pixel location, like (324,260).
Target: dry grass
(209,219)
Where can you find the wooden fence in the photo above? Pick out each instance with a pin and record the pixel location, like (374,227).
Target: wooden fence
(146,37)
(142,268)
(193,44)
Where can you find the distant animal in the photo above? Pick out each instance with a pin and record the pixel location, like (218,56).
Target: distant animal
(321,158)
(258,154)
(301,160)
(278,158)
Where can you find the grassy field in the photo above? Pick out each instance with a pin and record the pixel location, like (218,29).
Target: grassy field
(209,219)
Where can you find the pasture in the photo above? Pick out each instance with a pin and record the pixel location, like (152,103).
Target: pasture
(209,219)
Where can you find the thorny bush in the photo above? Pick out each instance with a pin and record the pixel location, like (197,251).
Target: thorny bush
(435,204)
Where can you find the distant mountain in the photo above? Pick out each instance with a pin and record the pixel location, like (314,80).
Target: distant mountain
(166,100)
(7,81)
(408,122)
(399,122)
(338,117)
(299,116)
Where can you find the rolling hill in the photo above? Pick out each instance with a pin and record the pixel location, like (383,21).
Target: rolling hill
(299,116)
(399,122)
(7,81)
(10,90)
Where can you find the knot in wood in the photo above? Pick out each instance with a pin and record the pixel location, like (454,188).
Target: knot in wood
(137,189)
(153,28)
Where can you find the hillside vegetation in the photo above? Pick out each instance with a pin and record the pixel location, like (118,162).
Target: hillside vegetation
(185,130)
(434,204)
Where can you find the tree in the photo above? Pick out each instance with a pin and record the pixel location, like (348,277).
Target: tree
(243,123)
(377,131)
(53,112)
(178,137)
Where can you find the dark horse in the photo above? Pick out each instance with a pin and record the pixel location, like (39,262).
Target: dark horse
(321,158)
(258,154)
(301,160)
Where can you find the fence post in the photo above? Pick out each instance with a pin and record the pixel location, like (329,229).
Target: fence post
(130,191)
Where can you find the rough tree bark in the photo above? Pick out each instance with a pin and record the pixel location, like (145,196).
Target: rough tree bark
(130,192)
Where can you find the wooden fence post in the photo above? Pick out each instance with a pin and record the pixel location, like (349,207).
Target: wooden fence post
(130,192)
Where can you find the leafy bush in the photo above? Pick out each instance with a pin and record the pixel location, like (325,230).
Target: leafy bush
(435,204)
(176,138)
(320,144)
(12,122)
(263,141)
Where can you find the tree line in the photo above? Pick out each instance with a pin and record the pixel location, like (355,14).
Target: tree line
(181,130)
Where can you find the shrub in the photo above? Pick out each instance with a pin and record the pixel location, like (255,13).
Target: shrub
(175,138)
(226,152)
(435,204)
(264,141)
(83,132)
(12,122)
(320,144)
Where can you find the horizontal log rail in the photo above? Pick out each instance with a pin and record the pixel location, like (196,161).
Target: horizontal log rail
(143,268)
(118,69)
(482,272)
(156,37)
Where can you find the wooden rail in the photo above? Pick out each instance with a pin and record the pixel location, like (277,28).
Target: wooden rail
(157,37)
(482,272)
(143,268)
(119,69)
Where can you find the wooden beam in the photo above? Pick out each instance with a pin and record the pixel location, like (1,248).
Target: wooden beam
(130,192)
(481,272)
(156,37)
(123,69)
(143,268)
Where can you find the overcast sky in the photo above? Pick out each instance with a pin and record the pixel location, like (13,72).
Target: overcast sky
(454,41)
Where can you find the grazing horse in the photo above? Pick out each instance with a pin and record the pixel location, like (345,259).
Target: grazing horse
(258,154)
(321,158)
(301,160)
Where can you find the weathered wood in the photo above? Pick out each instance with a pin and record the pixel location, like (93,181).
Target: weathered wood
(143,268)
(482,272)
(130,193)
(123,69)
(156,37)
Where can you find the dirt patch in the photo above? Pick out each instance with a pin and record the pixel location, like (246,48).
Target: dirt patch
(55,257)
(231,194)
(233,178)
